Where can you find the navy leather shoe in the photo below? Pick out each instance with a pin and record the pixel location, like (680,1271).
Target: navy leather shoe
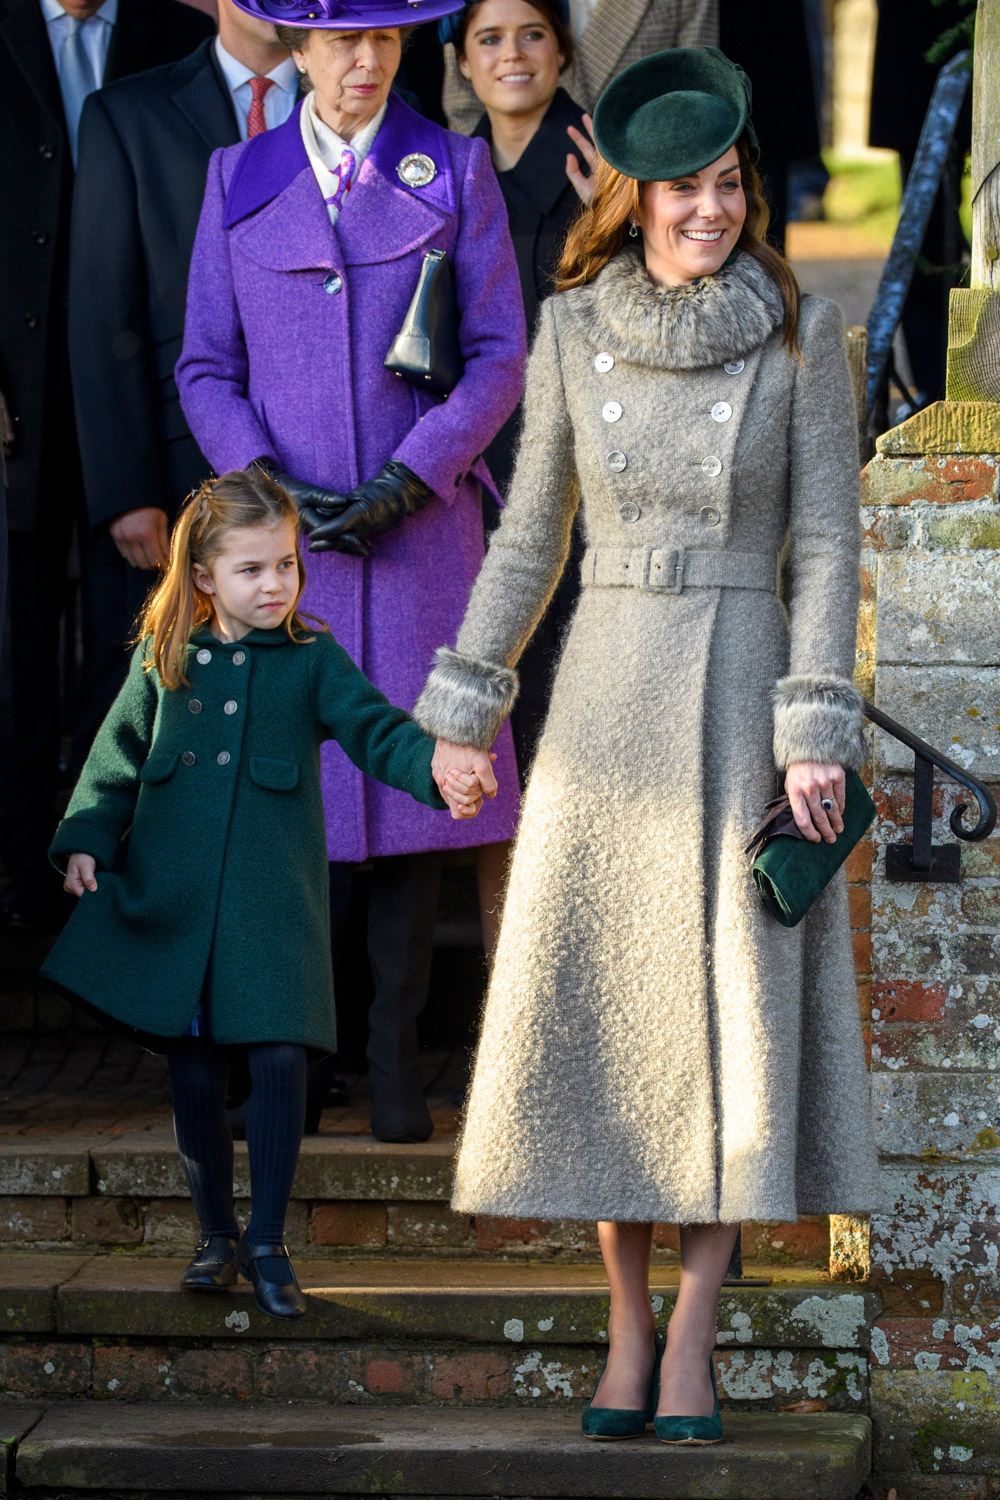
(276,1299)
(213,1267)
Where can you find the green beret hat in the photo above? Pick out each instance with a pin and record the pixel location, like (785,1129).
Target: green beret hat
(672,113)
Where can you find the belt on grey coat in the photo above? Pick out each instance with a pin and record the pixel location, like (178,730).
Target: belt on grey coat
(669,570)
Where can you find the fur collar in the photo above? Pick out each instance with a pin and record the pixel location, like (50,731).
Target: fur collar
(720,317)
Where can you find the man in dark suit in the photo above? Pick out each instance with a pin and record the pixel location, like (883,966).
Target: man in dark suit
(52,52)
(145,144)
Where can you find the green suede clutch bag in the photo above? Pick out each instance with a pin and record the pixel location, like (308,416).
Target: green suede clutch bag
(789,871)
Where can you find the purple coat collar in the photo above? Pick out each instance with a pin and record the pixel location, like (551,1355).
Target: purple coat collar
(270,162)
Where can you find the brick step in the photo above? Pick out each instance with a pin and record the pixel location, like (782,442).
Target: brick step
(463,1332)
(401,1451)
(350,1192)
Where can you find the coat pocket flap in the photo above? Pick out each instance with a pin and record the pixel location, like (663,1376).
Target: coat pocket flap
(275,775)
(158,766)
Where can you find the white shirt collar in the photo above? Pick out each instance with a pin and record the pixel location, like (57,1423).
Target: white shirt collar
(53,11)
(330,144)
(236,74)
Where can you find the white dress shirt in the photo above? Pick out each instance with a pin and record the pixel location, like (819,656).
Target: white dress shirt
(279,101)
(580,12)
(95,31)
(324,146)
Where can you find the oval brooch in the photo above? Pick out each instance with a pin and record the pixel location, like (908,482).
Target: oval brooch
(416,170)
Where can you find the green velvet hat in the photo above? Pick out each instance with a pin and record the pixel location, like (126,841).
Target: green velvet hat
(673,113)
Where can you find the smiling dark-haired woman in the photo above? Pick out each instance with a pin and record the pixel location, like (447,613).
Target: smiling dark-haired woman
(514,53)
(655,1047)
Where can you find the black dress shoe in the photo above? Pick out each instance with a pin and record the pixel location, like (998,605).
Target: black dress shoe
(213,1268)
(273,1298)
(399,1113)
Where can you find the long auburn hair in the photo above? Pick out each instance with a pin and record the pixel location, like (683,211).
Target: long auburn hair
(175,608)
(598,234)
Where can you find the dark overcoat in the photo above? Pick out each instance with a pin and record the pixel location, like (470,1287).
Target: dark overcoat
(289,320)
(37,174)
(203,810)
(145,145)
(541,205)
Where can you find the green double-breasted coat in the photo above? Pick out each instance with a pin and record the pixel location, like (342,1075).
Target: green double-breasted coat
(202,809)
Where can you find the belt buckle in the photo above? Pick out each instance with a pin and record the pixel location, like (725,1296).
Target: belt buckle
(666,576)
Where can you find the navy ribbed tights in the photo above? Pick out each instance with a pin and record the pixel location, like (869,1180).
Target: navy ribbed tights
(275,1117)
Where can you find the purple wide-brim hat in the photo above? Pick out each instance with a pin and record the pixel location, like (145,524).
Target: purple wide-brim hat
(348,15)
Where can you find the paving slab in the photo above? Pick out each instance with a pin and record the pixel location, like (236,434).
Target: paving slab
(475,1301)
(45,1166)
(16,1419)
(28,1287)
(145,1164)
(425,1452)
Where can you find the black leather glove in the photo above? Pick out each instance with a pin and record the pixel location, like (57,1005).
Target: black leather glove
(372,508)
(316,505)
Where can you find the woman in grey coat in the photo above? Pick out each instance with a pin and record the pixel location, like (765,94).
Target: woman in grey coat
(655,1047)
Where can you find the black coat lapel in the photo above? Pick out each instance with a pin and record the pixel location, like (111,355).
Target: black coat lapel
(23,29)
(202,96)
(130,38)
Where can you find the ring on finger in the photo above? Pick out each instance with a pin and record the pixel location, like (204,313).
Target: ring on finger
(827,804)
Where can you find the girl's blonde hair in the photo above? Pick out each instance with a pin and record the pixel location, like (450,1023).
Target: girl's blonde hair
(175,608)
(600,233)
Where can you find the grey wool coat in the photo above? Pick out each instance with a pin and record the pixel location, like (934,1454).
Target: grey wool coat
(654,1045)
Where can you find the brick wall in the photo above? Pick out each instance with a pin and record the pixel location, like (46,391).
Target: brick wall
(929,981)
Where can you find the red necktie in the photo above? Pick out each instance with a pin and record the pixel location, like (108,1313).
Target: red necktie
(256,123)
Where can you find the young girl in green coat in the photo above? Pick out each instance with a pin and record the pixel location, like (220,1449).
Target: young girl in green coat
(195,838)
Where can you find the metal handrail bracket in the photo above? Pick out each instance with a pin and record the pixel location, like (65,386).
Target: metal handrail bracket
(924,860)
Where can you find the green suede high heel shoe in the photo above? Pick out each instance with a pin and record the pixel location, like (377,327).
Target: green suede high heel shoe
(609,1424)
(694,1431)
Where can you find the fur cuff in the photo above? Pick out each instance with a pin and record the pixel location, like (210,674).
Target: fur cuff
(465,701)
(818,718)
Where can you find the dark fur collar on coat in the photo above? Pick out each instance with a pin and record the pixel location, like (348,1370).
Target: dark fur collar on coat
(718,318)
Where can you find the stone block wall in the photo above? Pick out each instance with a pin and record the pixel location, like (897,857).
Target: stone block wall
(929,650)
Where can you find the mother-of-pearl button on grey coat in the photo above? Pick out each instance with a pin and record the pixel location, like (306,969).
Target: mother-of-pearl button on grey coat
(654,1045)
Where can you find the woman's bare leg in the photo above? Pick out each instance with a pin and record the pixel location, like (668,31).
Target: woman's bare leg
(685,1384)
(625,1382)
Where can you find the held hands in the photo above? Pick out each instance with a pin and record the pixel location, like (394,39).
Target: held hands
(809,784)
(464,776)
(80,874)
(585,144)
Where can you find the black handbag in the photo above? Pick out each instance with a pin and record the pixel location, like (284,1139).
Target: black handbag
(425,351)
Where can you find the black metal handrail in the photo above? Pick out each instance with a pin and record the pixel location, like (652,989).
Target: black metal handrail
(922,860)
(922,185)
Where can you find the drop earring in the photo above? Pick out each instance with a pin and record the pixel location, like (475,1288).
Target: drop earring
(633,230)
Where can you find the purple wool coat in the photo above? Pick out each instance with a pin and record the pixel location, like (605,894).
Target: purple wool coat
(289,319)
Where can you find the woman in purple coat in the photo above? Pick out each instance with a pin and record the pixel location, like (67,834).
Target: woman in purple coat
(310,244)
